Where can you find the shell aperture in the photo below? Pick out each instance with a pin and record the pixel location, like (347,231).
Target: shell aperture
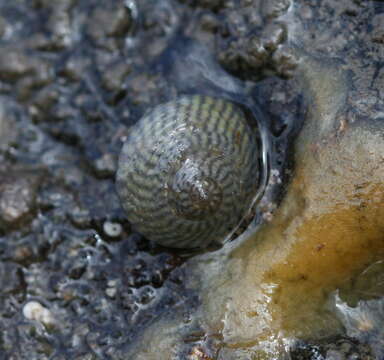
(189,171)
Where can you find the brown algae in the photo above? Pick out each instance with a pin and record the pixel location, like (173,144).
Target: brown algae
(340,233)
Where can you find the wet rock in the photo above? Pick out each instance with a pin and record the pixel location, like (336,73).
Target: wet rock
(364,323)
(340,348)
(42,42)
(257,56)
(17,199)
(105,165)
(273,35)
(377,31)
(59,31)
(14,64)
(42,103)
(115,75)
(275,8)
(285,62)
(114,20)
(208,4)
(8,123)
(74,68)
(11,278)
(43,75)
(81,218)
(60,25)
(3,26)
(257,52)
(35,347)
(160,20)
(144,81)
(245,55)
(67,95)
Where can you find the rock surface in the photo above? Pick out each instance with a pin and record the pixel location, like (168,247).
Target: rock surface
(75,75)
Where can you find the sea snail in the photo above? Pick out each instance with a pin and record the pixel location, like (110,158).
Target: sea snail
(189,171)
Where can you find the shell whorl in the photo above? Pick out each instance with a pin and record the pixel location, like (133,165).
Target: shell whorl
(188,171)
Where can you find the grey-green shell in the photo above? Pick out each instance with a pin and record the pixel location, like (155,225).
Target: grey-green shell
(188,171)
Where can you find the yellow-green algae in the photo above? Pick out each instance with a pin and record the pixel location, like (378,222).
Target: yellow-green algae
(272,286)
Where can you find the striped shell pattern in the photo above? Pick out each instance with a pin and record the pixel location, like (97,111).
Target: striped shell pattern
(188,171)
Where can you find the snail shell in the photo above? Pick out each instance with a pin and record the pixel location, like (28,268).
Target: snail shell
(189,171)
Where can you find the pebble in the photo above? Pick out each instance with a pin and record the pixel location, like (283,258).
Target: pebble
(105,165)
(108,22)
(17,195)
(33,310)
(8,121)
(10,278)
(209,4)
(377,29)
(273,35)
(115,74)
(254,54)
(74,68)
(112,229)
(334,355)
(14,65)
(80,217)
(275,8)
(111,292)
(285,61)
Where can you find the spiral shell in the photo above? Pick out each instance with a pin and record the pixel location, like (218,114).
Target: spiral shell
(189,171)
